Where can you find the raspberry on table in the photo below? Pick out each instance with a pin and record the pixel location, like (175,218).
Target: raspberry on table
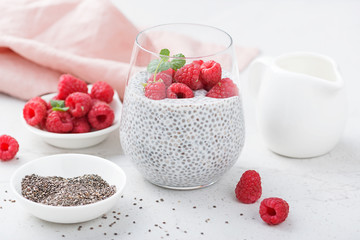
(190,75)
(34,111)
(179,90)
(81,125)
(79,104)
(210,74)
(248,189)
(102,91)
(100,115)
(223,89)
(69,84)
(155,90)
(59,122)
(274,210)
(166,78)
(8,147)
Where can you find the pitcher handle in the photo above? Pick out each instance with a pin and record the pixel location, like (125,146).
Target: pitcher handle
(256,73)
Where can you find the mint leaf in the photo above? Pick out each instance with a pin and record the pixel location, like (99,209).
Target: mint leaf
(60,109)
(177,63)
(164,66)
(165,53)
(180,55)
(151,68)
(58,105)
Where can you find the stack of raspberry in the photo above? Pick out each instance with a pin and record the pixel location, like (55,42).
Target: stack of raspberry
(73,109)
(193,76)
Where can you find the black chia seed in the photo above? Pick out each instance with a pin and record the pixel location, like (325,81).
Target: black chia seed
(59,191)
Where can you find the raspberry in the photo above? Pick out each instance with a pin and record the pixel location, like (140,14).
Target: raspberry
(34,111)
(170,72)
(100,115)
(69,84)
(8,147)
(190,75)
(59,122)
(42,124)
(79,104)
(179,90)
(210,74)
(102,91)
(166,78)
(274,210)
(223,89)
(39,99)
(155,90)
(81,125)
(248,189)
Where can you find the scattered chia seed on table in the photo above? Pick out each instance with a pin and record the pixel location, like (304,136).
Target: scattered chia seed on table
(59,191)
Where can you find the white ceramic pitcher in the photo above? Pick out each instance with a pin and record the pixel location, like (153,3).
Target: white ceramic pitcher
(301,103)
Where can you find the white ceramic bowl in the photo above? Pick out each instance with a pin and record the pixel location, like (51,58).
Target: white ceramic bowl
(69,165)
(78,140)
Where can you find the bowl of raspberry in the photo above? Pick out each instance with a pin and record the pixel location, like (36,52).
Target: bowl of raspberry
(182,120)
(77,116)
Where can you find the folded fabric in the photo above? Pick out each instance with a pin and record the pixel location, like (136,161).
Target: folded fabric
(90,39)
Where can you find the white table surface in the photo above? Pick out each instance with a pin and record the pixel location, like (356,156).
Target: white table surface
(323,193)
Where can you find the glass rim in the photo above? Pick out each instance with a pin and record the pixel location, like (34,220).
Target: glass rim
(191,24)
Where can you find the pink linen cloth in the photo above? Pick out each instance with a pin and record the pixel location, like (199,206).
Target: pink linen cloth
(90,39)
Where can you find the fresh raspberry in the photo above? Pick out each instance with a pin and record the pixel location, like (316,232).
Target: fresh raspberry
(8,147)
(274,210)
(69,84)
(223,89)
(170,72)
(102,91)
(248,189)
(42,124)
(39,99)
(34,111)
(81,125)
(59,122)
(79,104)
(101,115)
(155,90)
(210,74)
(190,75)
(166,78)
(198,62)
(179,90)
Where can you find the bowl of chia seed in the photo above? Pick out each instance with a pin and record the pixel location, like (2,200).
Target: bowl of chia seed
(68,188)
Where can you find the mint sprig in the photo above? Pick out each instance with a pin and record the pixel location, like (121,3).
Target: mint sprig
(163,64)
(58,105)
(178,62)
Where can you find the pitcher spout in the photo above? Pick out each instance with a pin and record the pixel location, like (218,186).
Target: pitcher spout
(316,67)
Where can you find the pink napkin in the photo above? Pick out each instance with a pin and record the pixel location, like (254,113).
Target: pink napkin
(90,39)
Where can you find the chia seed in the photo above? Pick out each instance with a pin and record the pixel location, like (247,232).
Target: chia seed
(59,191)
(197,139)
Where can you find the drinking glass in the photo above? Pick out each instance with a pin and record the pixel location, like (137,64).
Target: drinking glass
(183,143)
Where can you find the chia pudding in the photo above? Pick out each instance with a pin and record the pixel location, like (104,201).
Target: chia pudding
(181,143)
